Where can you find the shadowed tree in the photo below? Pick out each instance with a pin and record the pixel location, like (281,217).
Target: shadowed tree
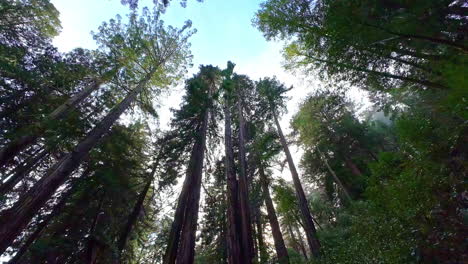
(159,64)
(272,97)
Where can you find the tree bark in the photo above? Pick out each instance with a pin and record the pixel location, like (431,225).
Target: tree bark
(309,226)
(233,223)
(20,172)
(184,226)
(337,180)
(34,131)
(246,222)
(133,217)
(14,220)
(187,243)
(44,223)
(301,242)
(281,251)
(261,243)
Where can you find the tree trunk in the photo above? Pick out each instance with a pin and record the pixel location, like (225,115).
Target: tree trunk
(309,226)
(183,227)
(261,243)
(34,131)
(93,244)
(20,172)
(301,242)
(44,223)
(187,243)
(233,223)
(133,217)
(246,223)
(337,180)
(298,247)
(281,251)
(14,220)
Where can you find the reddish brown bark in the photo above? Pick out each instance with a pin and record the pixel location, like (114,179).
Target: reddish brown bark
(246,222)
(281,251)
(15,219)
(309,226)
(13,148)
(233,225)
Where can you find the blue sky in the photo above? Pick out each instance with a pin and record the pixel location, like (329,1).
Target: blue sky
(225,31)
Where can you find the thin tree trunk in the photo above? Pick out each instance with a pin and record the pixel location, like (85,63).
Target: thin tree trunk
(21,171)
(440,41)
(94,245)
(337,180)
(14,220)
(309,226)
(34,131)
(246,222)
(133,217)
(233,225)
(299,247)
(261,243)
(301,242)
(383,74)
(281,251)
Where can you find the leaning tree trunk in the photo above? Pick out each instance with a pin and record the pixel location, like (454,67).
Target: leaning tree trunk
(34,131)
(309,226)
(20,172)
(301,241)
(44,223)
(15,219)
(281,251)
(93,245)
(337,180)
(246,222)
(233,223)
(298,247)
(133,217)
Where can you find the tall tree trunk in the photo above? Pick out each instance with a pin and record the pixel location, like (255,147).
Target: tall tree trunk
(45,222)
(281,251)
(183,227)
(133,217)
(246,222)
(93,244)
(34,131)
(14,220)
(188,235)
(332,172)
(261,243)
(301,241)
(233,222)
(309,226)
(174,236)
(299,247)
(21,171)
